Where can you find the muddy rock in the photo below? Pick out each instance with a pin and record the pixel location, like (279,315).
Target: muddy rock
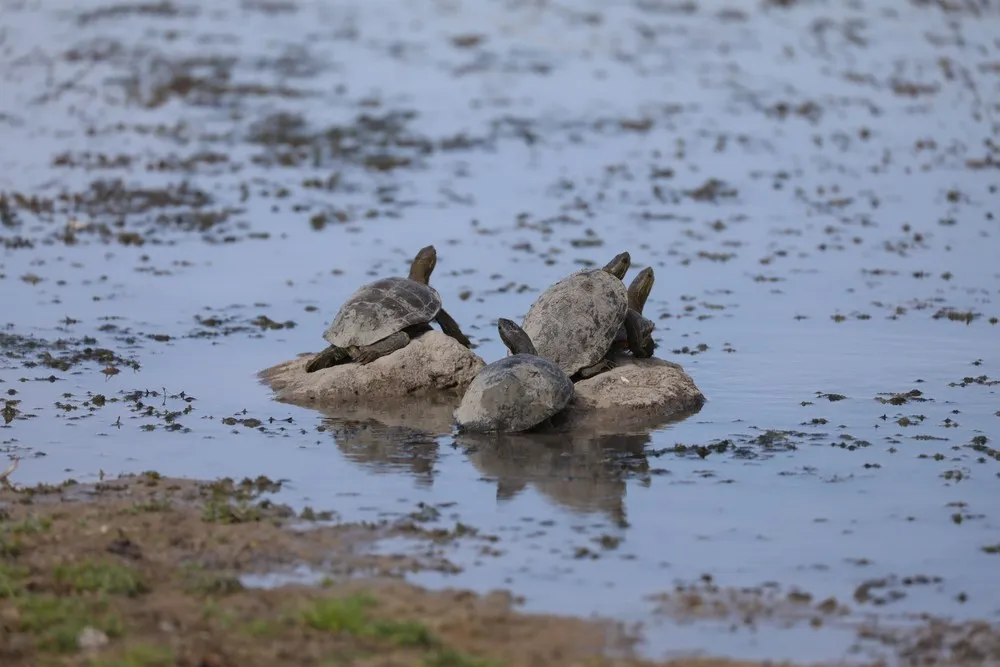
(433,362)
(639,389)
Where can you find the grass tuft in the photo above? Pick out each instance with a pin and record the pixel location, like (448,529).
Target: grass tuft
(99,577)
(449,658)
(144,655)
(56,622)
(349,616)
(12,580)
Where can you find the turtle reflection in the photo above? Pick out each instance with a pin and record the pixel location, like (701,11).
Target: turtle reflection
(585,474)
(583,463)
(396,436)
(584,468)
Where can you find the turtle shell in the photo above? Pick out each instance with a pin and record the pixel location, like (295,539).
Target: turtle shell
(514,394)
(380,309)
(574,322)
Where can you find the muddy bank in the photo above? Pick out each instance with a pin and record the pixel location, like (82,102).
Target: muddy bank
(146,570)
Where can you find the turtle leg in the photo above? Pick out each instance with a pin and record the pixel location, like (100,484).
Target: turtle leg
(604,364)
(633,323)
(388,345)
(450,327)
(331,356)
(649,346)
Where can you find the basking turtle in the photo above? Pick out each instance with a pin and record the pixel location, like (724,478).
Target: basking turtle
(383,316)
(638,293)
(515,393)
(574,323)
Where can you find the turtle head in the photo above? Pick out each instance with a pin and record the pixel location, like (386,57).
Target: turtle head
(423,265)
(618,267)
(514,337)
(639,289)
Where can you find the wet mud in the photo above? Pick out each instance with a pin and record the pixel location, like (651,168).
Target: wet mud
(188,193)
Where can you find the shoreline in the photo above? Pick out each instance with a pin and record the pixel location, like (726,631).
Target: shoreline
(147,570)
(150,570)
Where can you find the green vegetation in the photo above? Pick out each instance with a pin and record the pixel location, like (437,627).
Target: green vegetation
(144,655)
(450,658)
(198,581)
(56,622)
(10,547)
(219,509)
(29,526)
(349,616)
(229,502)
(12,580)
(153,505)
(12,532)
(99,577)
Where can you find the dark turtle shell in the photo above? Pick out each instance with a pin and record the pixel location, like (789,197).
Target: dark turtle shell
(514,394)
(380,309)
(574,322)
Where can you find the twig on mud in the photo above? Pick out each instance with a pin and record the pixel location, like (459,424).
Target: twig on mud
(6,473)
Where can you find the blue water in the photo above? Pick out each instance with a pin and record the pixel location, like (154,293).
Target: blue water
(869,208)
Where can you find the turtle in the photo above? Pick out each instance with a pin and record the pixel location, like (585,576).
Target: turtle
(515,393)
(385,315)
(638,293)
(574,322)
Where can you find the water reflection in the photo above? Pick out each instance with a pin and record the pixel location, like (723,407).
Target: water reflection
(393,436)
(581,462)
(581,472)
(583,468)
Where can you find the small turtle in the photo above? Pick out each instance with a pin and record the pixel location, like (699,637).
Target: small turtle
(515,393)
(574,323)
(383,316)
(638,293)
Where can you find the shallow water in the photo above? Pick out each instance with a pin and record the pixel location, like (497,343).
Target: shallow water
(847,249)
